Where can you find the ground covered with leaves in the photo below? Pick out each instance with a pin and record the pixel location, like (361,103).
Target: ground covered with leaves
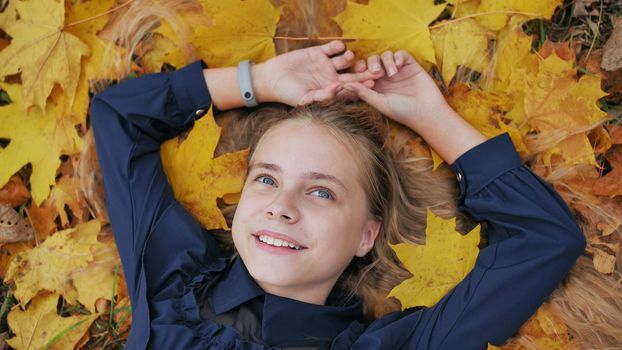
(549,73)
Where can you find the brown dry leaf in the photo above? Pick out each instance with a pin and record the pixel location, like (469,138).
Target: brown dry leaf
(51,264)
(580,8)
(123,317)
(42,219)
(599,216)
(13,227)
(615,133)
(7,251)
(313,19)
(604,262)
(42,51)
(610,184)
(198,178)
(600,140)
(545,330)
(566,50)
(14,193)
(612,52)
(36,327)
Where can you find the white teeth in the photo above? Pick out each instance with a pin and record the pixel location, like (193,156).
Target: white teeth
(277,242)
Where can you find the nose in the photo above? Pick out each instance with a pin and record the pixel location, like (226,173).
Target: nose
(283,207)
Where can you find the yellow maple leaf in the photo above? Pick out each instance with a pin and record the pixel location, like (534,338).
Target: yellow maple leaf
(512,56)
(84,20)
(462,43)
(198,178)
(67,193)
(390,25)
(36,138)
(50,265)
(485,111)
(97,279)
(463,8)
(546,329)
(242,29)
(439,265)
(554,103)
(40,327)
(42,51)
(533,9)
(162,50)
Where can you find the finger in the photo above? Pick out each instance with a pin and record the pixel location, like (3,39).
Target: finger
(345,94)
(403,57)
(366,94)
(333,47)
(322,94)
(351,94)
(343,61)
(362,76)
(389,63)
(373,62)
(360,66)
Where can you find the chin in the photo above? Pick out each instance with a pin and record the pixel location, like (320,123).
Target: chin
(267,276)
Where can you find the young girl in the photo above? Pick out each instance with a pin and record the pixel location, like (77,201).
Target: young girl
(317,211)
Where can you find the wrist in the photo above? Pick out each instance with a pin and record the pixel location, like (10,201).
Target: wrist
(260,82)
(434,119)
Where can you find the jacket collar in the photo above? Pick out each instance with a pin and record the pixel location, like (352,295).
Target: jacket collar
(286,321)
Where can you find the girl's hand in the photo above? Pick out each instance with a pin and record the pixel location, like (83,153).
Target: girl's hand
(406,93)
(306,75)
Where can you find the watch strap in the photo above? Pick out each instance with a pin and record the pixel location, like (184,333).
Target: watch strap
(246,84)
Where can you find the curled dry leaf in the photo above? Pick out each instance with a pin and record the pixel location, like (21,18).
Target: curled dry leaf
(609,185)
(612,52)
(13,227)
(14,193)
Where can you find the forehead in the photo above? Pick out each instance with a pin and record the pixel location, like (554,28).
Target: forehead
(305,146)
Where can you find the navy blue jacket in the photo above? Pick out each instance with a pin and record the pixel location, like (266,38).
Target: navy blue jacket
(168,258)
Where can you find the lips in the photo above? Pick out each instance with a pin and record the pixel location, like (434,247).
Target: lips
(280,236)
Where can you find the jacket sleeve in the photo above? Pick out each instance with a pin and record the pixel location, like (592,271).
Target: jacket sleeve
(130,121)
(533,241)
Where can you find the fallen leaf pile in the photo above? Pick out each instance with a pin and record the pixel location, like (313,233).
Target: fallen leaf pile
(56,246)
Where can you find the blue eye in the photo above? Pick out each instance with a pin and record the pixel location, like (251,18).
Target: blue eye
(265,180)
(324,194)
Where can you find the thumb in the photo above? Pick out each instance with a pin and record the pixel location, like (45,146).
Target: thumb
(366,94)
(326,93)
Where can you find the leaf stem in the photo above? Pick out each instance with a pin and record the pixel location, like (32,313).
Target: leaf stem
(596,31)
(301,38)
(504,12)
(99,15)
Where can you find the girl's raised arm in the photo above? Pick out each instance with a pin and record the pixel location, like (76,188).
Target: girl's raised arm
(130,121)
(533,238)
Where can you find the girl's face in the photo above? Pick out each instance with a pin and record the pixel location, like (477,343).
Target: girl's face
(302,190)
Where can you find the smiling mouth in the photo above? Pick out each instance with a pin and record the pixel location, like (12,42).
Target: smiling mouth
(277,243)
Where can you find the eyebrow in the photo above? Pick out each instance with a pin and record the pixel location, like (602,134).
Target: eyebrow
(309,174)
